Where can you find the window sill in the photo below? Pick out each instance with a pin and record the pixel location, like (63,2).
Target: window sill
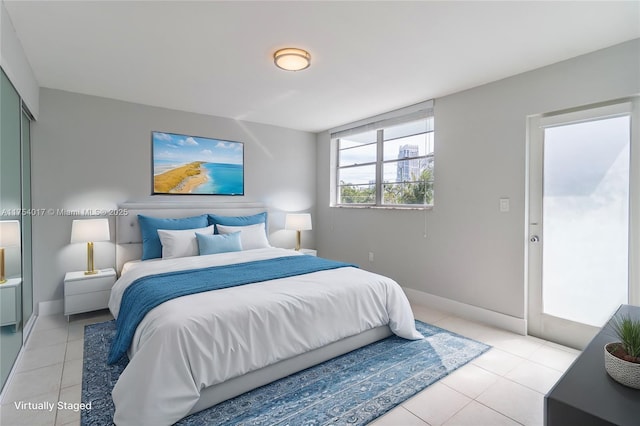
(343,206)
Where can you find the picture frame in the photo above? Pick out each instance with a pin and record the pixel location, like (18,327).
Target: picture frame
(195,165)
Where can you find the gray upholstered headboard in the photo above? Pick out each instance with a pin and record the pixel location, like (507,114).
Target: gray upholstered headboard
(129,239)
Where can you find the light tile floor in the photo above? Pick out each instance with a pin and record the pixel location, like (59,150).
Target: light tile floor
(504,386)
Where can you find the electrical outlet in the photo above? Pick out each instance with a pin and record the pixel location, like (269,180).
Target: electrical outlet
(504,205)
(370,256)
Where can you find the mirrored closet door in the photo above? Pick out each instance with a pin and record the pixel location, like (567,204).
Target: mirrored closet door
(16,301)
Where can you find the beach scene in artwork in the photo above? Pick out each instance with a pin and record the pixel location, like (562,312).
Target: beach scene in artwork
(185,164)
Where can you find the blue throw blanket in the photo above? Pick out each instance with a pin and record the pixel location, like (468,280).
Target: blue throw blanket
(148,292)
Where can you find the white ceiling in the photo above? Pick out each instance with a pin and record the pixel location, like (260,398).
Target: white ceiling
(367,57)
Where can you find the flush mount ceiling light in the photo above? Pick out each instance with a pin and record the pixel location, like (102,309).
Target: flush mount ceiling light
(292,59)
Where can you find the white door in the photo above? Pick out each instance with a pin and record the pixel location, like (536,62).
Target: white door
(583,220)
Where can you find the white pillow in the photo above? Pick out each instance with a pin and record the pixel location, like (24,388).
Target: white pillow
(251,236)
(181,243)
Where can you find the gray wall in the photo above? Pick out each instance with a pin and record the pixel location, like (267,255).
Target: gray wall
(93,153)
(472,253)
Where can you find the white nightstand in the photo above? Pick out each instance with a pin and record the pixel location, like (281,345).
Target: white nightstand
(10,302)
(310,252)
(85,293)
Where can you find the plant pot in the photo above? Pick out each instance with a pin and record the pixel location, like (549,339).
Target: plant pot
(623,372)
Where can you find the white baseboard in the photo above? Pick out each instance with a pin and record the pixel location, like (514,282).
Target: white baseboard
(51,307)
(28,327)
(470,312)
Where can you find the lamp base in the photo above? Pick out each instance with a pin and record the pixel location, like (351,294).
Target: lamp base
(298,240)
(2,277)
(90,269)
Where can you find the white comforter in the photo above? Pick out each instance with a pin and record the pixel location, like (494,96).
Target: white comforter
(196,341)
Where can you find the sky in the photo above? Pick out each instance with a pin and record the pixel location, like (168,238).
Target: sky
(578,156)
(185,149)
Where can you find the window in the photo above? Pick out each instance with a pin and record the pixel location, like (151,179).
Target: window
(388,161)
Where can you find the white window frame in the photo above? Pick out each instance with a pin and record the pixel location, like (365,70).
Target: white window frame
(423,110)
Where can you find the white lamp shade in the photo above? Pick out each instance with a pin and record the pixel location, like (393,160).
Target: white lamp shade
(90,230)
(9,233)
(298,221)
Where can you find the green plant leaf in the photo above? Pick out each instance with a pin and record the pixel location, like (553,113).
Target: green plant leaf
(628,331)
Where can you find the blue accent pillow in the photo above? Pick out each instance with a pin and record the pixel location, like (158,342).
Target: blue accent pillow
(215,219)
(214,244)
(151,246)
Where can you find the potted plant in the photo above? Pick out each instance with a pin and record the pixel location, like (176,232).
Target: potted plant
(622,359)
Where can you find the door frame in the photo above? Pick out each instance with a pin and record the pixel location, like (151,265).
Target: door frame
(539,324)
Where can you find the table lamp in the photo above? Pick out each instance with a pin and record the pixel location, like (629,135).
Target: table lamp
(9,237)
(298,222)
(89,231)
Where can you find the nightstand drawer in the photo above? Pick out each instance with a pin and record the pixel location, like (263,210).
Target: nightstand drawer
(86,302)
(89,285)
(10,302)
(8,312)
(84,293)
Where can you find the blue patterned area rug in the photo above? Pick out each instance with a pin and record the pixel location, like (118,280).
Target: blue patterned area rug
(352,389)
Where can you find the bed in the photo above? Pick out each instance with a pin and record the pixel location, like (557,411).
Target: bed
(253,334)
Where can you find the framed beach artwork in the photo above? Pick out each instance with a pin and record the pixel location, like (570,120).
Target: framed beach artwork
(184,164)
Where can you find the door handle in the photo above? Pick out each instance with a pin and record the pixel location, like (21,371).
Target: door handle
(534,239)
